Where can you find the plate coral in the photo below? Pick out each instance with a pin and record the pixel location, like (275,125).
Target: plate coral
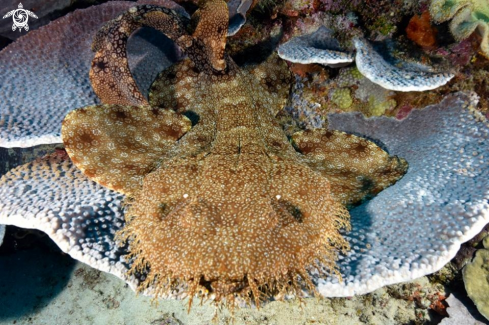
(199,180)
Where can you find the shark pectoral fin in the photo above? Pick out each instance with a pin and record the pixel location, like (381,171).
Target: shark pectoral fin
(116,146)
(356,167)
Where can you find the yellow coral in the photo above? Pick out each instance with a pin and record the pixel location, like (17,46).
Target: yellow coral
(342,98)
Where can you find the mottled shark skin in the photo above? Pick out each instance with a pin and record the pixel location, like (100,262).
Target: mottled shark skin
(183,167)
(47,71)
(410,229)
(227,206)
(222,204)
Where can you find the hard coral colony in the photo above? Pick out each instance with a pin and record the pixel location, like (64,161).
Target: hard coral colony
(227,207)
(218,199)
(466,16)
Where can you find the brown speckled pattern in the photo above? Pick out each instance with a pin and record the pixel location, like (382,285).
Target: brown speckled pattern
(110,76)
(357,167)
(116,146)
(228,208)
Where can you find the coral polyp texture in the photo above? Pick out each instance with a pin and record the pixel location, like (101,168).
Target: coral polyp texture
(442,199)
(318,47)
(374,67)
(475,276)
(466,16)
(202,187)
(78,214)
(321,47)
(36,76)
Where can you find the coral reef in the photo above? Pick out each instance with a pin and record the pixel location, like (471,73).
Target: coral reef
(341,97)
(237,14)
(476,279)
(410,229)
(380,18)
(378,70)
(372,99)
(53,79)
(466,15)
(321,47)
(419,200)
(306,113)
(316,95)
(318,47)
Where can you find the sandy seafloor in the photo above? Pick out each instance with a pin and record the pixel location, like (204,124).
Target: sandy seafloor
(41,285)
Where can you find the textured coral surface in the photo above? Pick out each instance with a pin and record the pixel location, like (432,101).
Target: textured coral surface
(466,16)
(436,207)
(442,198)
(51,76)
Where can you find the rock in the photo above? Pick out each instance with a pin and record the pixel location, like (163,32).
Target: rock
(458,313)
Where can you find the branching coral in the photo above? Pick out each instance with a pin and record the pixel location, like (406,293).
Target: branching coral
(466,15)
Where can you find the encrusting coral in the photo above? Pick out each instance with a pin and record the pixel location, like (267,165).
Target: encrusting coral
(227,207)
(466,15)
(408,230)
(476,279)
(420,31)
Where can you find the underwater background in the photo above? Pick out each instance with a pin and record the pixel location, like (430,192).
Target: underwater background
(39,284)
